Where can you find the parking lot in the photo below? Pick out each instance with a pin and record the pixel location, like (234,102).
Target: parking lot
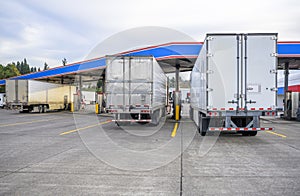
(60,153)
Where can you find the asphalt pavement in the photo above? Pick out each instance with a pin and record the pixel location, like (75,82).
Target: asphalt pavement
(60,153)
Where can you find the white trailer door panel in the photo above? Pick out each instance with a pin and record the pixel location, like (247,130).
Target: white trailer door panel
(222,71)
(260,66)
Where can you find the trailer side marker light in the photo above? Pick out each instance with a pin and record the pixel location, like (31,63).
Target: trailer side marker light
(145,111)
(174,130)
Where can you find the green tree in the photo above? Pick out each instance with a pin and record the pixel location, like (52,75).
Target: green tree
(26,67)
(39,69)
(19,66)
(64,61)
(172,82)
(1,71)
(22,68)
(9,70)
(46,66)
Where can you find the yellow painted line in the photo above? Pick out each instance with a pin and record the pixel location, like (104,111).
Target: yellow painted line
(29,122)
(37,114)
(278,134)
(82,128)
(174,130)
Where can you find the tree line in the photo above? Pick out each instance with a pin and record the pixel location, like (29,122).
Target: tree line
(19,68)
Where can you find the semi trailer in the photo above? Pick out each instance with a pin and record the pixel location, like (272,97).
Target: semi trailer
(31,95)
(234,83)
(2,100)
(136,89)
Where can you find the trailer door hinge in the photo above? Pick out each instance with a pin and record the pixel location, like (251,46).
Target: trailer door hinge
(274,54)
(273,71)
(274,89)
(209,55)
(274,38)
(209,89)
(250,101)
(232,101)
(209,71)
(209,38)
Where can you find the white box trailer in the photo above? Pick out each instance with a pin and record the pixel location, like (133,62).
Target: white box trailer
(29,95)
(234,82)
(136,89)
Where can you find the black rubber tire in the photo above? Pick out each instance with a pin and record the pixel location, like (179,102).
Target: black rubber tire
(245,133)
(252,133)
(201,126)
(119,124)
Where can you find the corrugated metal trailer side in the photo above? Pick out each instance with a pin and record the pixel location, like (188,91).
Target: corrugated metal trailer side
(136,89)
(29,95)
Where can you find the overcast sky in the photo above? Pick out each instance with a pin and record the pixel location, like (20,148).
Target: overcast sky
(48,31)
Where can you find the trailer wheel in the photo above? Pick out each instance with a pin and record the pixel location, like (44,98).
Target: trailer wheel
(155,117)
(202,125)
(191,113)
(119,124)
(43,109)
(249,133)
(252,133)
(40,108)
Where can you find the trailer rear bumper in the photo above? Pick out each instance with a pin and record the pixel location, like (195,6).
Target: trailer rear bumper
(240,129)
(141,115)
(132,120)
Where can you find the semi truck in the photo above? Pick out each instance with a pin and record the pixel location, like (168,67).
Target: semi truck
(2,100)
(135,89)
(293,106)
(234,83)
(32,95)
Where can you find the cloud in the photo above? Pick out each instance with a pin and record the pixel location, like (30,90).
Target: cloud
(52,30)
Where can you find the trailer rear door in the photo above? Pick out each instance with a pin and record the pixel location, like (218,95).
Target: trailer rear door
(222,54)
(241,71)
(260,70)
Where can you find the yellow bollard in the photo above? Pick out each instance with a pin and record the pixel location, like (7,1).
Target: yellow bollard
(72,107)
(177,112)
(97,108)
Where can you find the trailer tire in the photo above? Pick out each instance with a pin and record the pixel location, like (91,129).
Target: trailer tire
(191,113)
(202,125)
(252,133)
(249,133)
(43,109)
(155,118)
(119,124)
(40,108)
